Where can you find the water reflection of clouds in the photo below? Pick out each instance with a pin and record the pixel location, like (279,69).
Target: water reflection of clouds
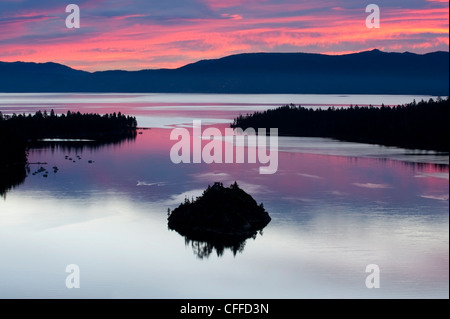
(328,146)
(177,199)
(20,210)
(338,193)
(442,175)
(228,179)
(309,176)
(296,199)
(210,99)
(146,162)
(443,197)
(326,238)
(324,231)
(373,185)
(176,121)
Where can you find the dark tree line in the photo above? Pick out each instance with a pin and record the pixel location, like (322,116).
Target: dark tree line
(422,125)
(70,125)
(12,160)
(19,132)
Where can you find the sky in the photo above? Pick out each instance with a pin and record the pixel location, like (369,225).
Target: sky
(152,34)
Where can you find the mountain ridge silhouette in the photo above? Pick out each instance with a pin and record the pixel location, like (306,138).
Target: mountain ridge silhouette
(367,72)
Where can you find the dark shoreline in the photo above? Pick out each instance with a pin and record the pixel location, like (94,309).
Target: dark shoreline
(19,133)
(416,126)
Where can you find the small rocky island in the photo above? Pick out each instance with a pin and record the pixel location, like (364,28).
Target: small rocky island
(221,211)
(223,217)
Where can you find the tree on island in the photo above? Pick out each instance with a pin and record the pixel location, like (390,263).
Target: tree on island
(222,217)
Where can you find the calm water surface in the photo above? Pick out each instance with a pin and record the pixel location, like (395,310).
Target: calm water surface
(336,207)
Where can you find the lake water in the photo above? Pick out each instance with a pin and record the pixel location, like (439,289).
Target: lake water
(336,207)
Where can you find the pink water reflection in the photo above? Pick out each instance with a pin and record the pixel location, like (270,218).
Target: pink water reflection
(301,177)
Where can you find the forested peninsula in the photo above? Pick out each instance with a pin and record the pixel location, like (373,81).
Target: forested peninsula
(417,125)
(19,132)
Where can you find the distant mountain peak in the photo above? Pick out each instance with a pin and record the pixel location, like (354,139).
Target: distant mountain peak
(367,72)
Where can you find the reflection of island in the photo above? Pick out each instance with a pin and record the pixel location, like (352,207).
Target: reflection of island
(221,218)
(18,133)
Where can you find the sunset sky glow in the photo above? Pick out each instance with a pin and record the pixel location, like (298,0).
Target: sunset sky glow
(148,34)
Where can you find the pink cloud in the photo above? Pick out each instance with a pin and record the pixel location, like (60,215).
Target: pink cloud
(134,41)
(231,16)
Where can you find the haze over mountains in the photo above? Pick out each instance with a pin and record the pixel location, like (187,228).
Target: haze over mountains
(369,72)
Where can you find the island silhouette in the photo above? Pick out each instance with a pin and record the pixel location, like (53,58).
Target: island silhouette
(221,218)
